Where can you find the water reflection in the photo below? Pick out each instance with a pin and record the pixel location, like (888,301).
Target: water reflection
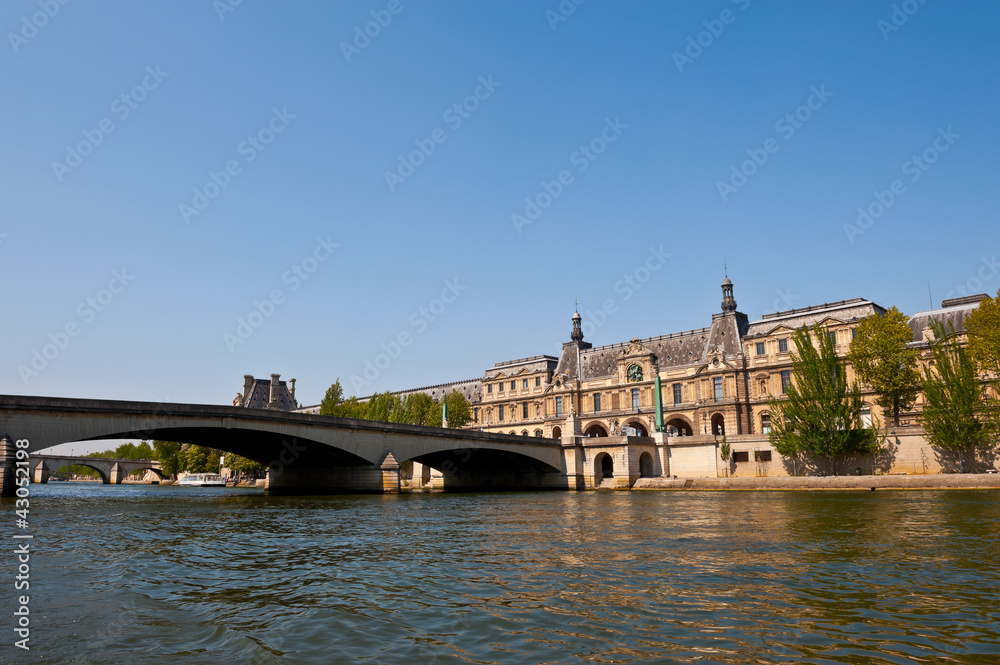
(727,577)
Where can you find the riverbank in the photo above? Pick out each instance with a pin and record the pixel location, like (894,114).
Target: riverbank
(895,482)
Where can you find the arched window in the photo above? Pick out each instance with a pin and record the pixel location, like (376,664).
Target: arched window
(765,423)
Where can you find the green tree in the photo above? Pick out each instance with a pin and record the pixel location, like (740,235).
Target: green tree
(332,400)
(168,454)
(459,411)
(983,330)
(955,413)
(821,415)
(421,408)
(243,465)
(882,359)
(198,459)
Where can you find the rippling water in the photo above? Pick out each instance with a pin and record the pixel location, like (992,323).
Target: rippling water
(134,574)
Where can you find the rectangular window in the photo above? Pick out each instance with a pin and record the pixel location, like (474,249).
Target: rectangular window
(760,348)
(513,385)
(832,336)
(783,345)
(524,410)
(489,387)
(558,406)
(762,455)
(742,456)
(538,381)
(854,333)
(524,384)
(500,411)
(501,386)
(597,402)
(635,398)
(717,384)
(677,393)
(786,379)
(765,424)
(477,413)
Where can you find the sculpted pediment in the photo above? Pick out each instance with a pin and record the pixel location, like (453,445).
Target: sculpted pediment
(634,348)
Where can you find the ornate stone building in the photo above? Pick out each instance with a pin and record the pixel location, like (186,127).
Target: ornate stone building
(658,406)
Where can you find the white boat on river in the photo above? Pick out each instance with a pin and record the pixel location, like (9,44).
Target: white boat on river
(202,480)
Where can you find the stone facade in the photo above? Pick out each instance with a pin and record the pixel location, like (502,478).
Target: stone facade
(715,381)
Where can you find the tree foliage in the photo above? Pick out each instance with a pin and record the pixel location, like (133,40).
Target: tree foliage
(332,400)
(413,409)
(168,454)
(243,465)
(821,416)
(956,415)
(983,330)
(882,359)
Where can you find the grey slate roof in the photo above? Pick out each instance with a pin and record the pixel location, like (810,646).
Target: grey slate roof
(260,396)
(952,312)
(843,310)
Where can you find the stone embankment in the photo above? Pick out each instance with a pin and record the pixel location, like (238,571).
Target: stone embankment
(892,482)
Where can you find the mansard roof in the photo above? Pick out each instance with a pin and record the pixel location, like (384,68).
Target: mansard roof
(845,311)
(259,396)
(675,349)
(952,312)
(511,367)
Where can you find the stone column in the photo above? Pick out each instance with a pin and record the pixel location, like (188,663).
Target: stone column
(7,459)
(663,451)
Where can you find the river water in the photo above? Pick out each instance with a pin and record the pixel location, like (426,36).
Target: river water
(137,574)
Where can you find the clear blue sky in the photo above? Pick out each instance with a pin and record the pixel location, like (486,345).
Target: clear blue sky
(198,83)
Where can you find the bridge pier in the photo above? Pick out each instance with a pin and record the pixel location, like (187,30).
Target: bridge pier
(41,473)
(115,476)
(7,465)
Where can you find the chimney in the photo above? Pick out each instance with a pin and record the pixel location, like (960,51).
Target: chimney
(247,387)
(291,390)
(275,402)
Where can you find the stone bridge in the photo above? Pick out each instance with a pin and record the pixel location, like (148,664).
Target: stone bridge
(113,471)
(303,453)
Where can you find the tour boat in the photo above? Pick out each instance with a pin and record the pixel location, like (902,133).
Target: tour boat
(202,480)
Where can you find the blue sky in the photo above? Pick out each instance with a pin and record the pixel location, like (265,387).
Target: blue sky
(629,125)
